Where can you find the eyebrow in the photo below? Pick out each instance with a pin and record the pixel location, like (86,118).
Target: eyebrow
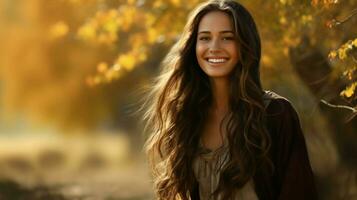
(219,32)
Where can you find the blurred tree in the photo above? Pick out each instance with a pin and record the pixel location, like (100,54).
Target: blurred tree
(75,63)
(49,58)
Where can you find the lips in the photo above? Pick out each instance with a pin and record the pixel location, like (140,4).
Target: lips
(217,60)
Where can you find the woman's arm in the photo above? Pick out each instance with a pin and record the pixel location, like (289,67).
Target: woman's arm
(295,179)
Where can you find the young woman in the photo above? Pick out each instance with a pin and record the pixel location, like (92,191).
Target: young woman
(216,134)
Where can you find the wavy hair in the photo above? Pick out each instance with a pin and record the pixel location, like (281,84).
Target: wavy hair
(178,105)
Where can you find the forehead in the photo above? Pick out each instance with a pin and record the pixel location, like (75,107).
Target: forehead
(215,21)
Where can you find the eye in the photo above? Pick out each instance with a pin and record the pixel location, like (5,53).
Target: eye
(204,38)
(228,38)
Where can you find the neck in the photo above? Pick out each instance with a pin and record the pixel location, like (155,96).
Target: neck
(220,91)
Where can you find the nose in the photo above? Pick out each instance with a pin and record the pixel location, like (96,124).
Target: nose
(214,46)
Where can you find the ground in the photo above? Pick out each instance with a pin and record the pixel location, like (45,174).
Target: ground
(72,169)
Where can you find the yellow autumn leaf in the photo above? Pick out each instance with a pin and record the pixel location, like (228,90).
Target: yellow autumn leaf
(283,20)
(175,2)
(332,54)
(59,29)
(109,22)
(142,56)
(127,61)
(152,35)
(283,2)
(116,67)
(97,80)
(128,17)
(100,16)
(106,39)
(349,91)
(102,67)
(354,42)
(342,54)
(131,2)
(112,75)
(113,13)
(150,19)
(87,32)
(306,19)
(137,40)
(158,4)
(111,26)
(349,72)
(267,61)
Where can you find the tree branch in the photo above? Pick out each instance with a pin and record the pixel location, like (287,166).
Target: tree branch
(336,22)
(350,117)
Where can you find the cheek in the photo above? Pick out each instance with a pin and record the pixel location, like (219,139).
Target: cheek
(199,50)
(234,52)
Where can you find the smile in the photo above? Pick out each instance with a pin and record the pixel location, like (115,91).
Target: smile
(216,60)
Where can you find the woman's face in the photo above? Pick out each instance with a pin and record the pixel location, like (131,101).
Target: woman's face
(216,47)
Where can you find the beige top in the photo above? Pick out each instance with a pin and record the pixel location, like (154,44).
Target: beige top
(207,165)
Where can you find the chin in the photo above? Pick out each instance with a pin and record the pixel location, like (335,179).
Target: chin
(218,74)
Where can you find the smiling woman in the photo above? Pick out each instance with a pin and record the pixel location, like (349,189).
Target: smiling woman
(216,47)
(216,134)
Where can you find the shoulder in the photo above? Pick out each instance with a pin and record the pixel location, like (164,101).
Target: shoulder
(293,176)
(277,104)
(281,116)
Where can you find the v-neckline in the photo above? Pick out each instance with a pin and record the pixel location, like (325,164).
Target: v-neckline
(207,150)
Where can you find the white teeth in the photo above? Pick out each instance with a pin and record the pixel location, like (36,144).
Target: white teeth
(214,60)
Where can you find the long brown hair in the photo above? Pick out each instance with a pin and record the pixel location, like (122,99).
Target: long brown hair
(179,102)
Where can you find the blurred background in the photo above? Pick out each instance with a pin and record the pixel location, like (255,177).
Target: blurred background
(73,72)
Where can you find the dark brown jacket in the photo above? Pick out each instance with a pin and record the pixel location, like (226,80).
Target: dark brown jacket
(293,178)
